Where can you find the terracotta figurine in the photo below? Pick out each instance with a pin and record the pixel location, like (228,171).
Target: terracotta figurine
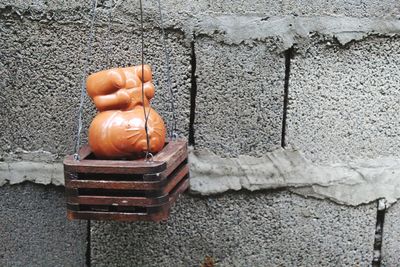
(118,131)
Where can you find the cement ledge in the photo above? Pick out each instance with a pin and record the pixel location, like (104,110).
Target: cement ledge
(352,183)
(235,29)
(285,30)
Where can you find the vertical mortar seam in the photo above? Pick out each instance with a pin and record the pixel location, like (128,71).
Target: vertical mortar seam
(288,56)
(88,245)
(193,92)
(378,238)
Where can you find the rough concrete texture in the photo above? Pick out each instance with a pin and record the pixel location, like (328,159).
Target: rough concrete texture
(34,228)
(344,102)
(275,229)
(42,63)
(35,34)
(391,237)
(237,21)
(355,8)
(351,183)
(239,97)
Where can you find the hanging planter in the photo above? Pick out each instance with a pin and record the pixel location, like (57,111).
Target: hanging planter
(128,172)
(126,190)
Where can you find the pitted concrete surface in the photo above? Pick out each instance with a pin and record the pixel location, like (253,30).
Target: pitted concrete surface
(35,230)
(391,237)
(344,103)
(42,65)
(258,229)
(239,98)
(180,9)
(38,33)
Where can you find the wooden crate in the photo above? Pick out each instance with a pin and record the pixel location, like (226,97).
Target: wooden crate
(126,190)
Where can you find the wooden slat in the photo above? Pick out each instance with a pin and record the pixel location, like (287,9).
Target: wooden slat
(164,180)
(164,161)
(173,154)
(124,185)
(161,214)
(118,201)
(182,187)
(117,216)
(177,177)
(130,185)
(114,166)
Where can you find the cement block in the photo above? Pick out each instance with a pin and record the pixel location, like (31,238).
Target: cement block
(241,229)
(42,65)
(391,237)
(344,101)
(239,102)
(35,230)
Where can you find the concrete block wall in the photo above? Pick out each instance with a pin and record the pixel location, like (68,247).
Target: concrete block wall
(235,67)
(345,100)
(243,114)
(391,237)
(242,229)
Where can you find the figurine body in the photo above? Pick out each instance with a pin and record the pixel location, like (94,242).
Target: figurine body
(118,131)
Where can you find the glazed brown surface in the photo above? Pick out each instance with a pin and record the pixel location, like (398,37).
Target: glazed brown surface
(118,131)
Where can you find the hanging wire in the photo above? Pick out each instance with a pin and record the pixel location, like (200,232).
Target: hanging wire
(146,116)
(84,73)
(172,132)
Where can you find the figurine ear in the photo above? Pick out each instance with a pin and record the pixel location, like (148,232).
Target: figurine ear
(147,75)
(149,90)
(105,82)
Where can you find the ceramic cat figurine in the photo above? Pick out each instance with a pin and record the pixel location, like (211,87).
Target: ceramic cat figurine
(118,131)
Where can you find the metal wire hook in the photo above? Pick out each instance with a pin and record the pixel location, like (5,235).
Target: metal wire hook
(147,157)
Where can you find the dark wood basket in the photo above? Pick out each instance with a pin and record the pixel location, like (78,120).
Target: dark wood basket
(126,190)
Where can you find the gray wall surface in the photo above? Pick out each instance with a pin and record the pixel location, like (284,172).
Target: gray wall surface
(239,98)
(34,229)
(391,237)
(241,229)
(345,101)
(232,74)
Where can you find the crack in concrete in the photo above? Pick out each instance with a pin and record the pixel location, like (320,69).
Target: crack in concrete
(193,92)
(288,57)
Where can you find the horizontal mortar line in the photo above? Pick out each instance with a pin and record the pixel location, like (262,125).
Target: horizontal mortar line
(364,180)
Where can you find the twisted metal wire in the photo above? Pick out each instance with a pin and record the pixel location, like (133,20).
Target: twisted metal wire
(146,116)
(83,83)
(172,132)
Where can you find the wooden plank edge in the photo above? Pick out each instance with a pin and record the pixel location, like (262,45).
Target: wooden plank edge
(118,200)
